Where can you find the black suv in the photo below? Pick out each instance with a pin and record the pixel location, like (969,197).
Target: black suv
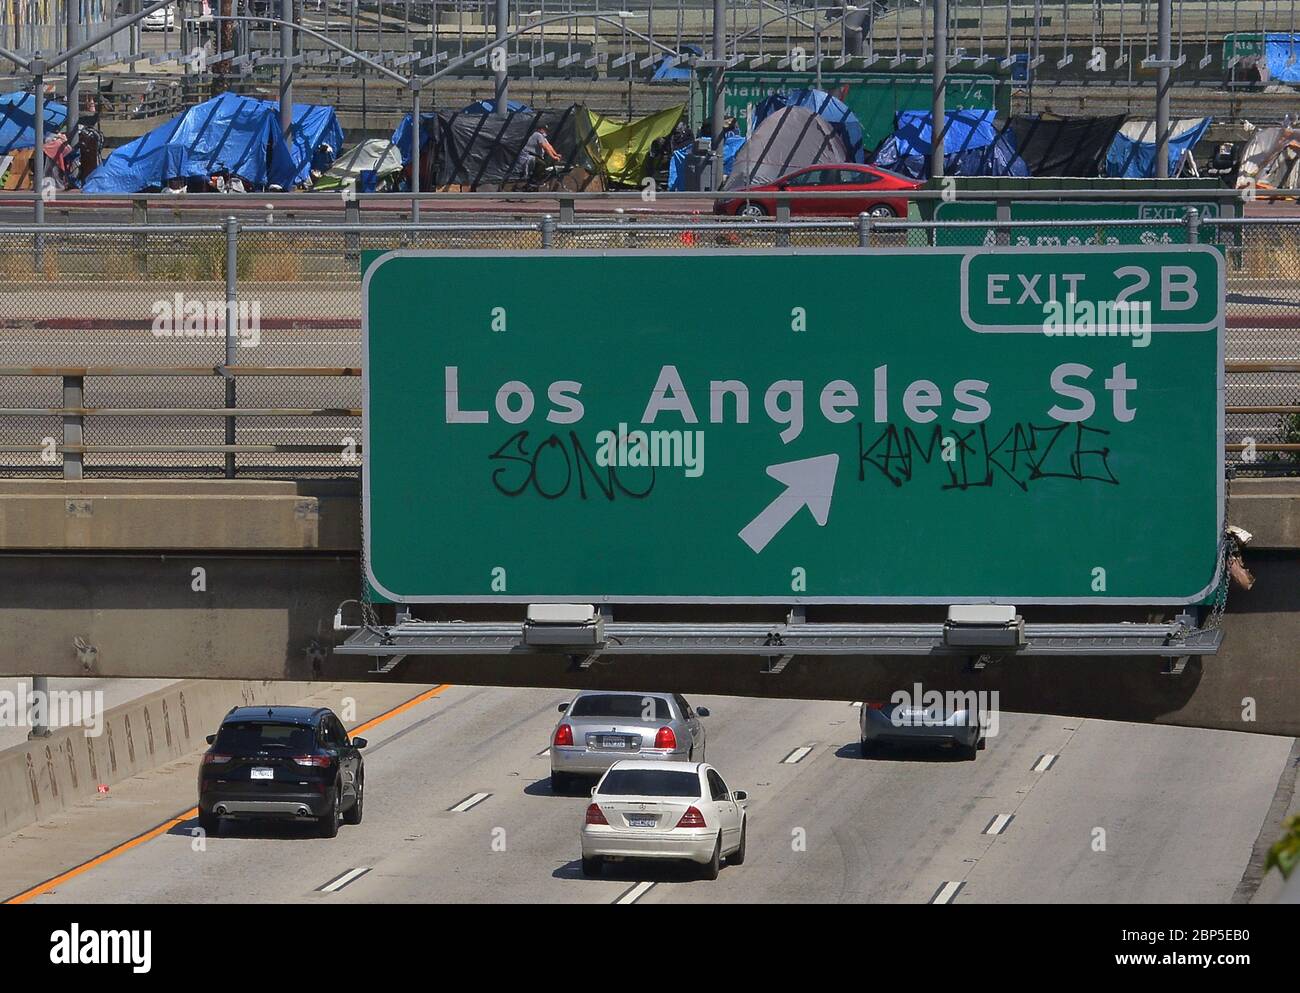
(286,762)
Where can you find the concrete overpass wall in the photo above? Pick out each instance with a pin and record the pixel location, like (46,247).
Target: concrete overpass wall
(98,578)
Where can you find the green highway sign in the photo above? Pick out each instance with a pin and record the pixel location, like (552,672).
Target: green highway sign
(1082,222)
(874,98)
(825,426)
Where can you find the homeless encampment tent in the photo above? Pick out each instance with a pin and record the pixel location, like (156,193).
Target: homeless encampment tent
(787,140)
(1132,154)
(1271,159)
(668,71)
(630,149)
(316,138)
(17,170)
(479,151)
(228,134)
(731,144)
(18,120)
(365,168)
(489,107)
(1282,54)
(1064,146)
(972,146)
(833,110)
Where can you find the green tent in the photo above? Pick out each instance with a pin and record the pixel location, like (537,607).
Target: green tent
(625,146)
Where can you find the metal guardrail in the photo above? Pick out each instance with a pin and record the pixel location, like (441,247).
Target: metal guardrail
(568,203)
(84,376)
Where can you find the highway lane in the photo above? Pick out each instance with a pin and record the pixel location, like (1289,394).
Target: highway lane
(1182,809)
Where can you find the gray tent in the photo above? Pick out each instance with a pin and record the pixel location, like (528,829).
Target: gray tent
(378,155)
(787,140)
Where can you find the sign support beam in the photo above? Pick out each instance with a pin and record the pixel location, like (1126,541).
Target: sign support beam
(779,642)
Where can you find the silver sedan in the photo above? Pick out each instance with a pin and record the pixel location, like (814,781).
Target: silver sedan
(601,727)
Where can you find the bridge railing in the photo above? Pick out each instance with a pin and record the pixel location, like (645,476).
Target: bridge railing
(234,348)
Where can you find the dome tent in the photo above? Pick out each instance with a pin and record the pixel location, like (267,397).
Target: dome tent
(787,140)
(834,111)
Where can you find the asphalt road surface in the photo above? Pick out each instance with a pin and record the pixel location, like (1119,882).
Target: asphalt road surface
(1099,812)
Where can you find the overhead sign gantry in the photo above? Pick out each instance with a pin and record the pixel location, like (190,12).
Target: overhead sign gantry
(944,426)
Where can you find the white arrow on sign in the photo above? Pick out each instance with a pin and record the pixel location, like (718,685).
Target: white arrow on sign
(808,482)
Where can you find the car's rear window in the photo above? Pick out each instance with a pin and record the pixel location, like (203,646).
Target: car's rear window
(251,736)
(650,782)
(630,705)
(892,175)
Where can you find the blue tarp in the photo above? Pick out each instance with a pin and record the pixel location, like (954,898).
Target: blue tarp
(18,120)
(313,125)
(229,133)
(676,165)
(972,146)
(1282,53)
(668,70)
(832,110)
(402,136)
(489,106)
(1132,159)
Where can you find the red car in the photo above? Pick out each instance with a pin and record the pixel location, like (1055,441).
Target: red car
(880,191)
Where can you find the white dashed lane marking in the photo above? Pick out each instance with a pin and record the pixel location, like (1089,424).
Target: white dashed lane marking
(473,800)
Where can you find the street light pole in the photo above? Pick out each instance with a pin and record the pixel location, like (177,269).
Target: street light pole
(1164,29)
(286,67)
(415,150)
(38,156)
(938,117)
(74,67)
(502,76)
(719,86)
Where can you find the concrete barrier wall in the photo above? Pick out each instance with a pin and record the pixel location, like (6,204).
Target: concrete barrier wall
(269,516)
(268,615)
(194,515)
(49,774)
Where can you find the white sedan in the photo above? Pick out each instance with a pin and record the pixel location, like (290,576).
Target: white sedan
(163,19)
(664,810)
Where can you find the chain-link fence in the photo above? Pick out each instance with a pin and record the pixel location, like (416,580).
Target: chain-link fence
(117,359)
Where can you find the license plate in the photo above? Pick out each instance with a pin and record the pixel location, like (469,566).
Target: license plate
(262,774)
(642,821)
(613,742)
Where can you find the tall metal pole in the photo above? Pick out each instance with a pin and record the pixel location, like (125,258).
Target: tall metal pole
(73,9)
(40,711)
(415,151)
(232,331)
(940,82)
(286,67)
(503,78)
(719,86)
(1164,30)
(38,156)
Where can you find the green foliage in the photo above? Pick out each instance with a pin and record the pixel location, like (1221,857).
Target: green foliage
(1285,853)
(1289,428)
